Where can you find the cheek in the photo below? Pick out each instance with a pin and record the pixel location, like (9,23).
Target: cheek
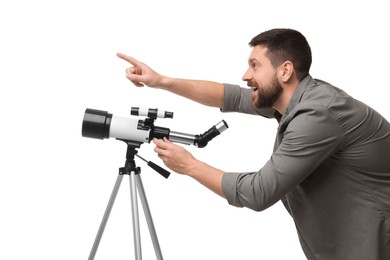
(265,78)
(258,79)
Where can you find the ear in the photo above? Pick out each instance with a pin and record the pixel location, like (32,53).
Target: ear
(286,70)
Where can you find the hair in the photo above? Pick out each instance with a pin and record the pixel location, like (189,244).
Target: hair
(283,45)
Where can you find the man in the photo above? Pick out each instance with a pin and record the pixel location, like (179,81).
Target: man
(331,160)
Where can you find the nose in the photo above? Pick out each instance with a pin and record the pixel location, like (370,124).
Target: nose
(247,76)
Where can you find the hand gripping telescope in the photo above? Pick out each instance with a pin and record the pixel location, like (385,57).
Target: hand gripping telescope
(101,124)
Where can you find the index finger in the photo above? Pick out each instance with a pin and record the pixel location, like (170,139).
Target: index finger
(158,142)
(128,59)
(162,143)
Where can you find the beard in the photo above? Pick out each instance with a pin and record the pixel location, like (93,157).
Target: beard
(268,94)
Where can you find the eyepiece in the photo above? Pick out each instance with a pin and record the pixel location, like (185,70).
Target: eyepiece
(96,124)
(221,126)
(202,139)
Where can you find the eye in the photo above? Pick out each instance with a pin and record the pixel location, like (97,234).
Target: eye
(254,65)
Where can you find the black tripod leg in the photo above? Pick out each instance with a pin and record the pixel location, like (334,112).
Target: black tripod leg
(105,217)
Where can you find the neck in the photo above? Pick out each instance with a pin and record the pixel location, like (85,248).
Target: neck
(284,99)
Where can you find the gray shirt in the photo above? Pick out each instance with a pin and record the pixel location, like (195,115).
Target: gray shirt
(330,167)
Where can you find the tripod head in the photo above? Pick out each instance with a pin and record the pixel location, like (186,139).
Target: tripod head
(130,165)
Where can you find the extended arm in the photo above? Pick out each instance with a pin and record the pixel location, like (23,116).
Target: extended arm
(205,92)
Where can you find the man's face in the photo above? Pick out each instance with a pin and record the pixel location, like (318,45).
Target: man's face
(261,76)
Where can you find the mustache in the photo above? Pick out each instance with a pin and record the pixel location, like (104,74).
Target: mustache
(252,83)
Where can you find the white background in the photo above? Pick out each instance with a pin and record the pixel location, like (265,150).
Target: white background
(58,58)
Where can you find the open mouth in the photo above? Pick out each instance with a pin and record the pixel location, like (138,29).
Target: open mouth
(253,86)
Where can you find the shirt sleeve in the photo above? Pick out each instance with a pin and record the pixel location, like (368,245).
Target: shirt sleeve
(310,137)
(238,99)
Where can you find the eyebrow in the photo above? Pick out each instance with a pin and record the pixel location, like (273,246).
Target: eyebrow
(252,60)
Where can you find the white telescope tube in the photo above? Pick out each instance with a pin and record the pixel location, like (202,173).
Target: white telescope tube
(127,129)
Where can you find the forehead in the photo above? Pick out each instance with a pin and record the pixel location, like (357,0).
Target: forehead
(258,53)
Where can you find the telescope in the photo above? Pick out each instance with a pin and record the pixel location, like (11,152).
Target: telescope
(100,124)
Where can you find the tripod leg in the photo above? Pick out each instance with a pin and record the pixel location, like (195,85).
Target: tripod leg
(134,207)
(148,217)
(105,217)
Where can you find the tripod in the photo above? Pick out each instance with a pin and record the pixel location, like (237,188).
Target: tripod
(134,172)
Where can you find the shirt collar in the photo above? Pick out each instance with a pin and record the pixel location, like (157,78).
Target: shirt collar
(298,93)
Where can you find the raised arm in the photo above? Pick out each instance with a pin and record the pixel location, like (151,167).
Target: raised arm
(208,93)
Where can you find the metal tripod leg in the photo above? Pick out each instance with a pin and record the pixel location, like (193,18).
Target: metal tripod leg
(148,216)
(105,217)
(135,182)
(134,210)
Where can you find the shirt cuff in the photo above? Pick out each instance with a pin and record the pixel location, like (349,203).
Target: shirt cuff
(231,93)
(229,188)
